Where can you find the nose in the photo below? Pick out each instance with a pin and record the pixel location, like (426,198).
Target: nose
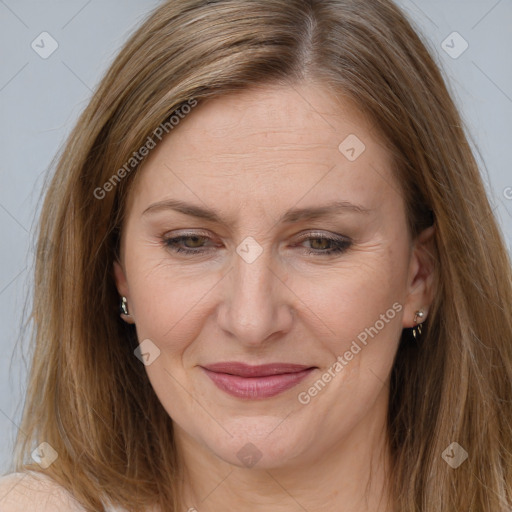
(257,305)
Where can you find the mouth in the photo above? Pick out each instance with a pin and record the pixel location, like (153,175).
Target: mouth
(256,382)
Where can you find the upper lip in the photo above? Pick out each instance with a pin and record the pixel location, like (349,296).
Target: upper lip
(262,370)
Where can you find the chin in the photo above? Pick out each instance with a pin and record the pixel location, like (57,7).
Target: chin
(260,443)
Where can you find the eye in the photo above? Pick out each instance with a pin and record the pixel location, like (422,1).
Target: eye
(319,244)
(195,247)
(326,245)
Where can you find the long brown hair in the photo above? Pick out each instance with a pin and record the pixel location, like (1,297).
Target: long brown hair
(89,396)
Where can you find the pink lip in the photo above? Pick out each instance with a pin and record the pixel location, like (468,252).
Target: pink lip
(256,382)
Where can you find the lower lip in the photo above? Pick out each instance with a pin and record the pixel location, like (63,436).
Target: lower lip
(254,388)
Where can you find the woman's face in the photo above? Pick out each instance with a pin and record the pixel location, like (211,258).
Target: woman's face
(297,254)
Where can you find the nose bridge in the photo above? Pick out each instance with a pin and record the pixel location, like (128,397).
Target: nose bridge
(254,304)
(253,273)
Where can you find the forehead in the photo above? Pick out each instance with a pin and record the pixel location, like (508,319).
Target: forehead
(300,114)
(302,140)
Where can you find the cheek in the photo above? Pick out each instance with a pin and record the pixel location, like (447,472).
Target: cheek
(170,302)
(352,296)
(175,299)
(358,307)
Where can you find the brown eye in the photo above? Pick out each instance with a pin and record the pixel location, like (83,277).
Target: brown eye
(188,244)
(321,245)
(196,241)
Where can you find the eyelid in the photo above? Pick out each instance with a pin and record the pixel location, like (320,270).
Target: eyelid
(323,234)
(186,232)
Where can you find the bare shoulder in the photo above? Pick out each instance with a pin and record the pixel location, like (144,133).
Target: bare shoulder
(31,491)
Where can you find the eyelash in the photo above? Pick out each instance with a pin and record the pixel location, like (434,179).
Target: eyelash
(341,245)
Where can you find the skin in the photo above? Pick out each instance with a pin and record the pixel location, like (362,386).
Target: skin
(251,156)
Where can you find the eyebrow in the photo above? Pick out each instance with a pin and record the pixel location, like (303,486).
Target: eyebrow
(292,215)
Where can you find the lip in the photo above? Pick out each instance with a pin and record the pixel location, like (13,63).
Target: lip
(256,382)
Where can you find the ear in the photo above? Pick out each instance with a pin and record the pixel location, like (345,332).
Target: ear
(120,278)
(420,280)
(122,288)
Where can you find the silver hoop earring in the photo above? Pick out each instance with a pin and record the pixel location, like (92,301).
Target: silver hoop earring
(123,308)
(416,331)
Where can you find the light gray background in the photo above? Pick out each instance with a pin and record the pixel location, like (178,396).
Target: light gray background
(40,99)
